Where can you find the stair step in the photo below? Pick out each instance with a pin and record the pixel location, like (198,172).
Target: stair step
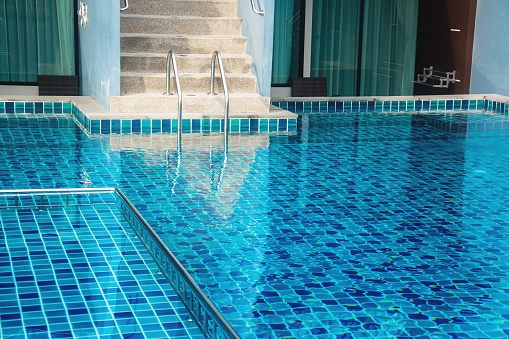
(206,8)
(158,24)
(191,103)
(186,63)
(189,82)
(188,44)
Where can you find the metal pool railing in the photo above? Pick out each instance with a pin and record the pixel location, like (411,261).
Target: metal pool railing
(206,316)
(217,55)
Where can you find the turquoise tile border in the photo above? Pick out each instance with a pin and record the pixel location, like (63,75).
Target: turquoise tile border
(394,106)
(146,126)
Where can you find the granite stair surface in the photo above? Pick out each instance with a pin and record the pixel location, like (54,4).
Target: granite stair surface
(193,29)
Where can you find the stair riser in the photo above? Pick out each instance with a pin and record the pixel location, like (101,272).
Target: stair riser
(184,8)
(188,64)
(209,105)
(177,25)
(138,84)
(184,45)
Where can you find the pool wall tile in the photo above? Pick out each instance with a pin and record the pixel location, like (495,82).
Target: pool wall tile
(215,125)
(115,127)
(195,125)
(166,125)
(264,124)
(136,126)
(253,125)
(146,126)
(174,125)
(244,125)
(126,127)
(156,126)
(95,126)
(273,125)
(186,125)
(9,107)
(205,124)
(105,126)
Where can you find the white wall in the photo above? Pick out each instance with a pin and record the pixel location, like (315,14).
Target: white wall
(490,60)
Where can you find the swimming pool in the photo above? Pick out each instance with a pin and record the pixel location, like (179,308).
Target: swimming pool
(359,225)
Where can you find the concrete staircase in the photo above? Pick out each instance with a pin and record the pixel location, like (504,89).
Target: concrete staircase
(194,29)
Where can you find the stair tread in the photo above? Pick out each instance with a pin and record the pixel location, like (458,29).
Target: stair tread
(188,36)
(205,56)
(190,94)
(192,17)
(187,75)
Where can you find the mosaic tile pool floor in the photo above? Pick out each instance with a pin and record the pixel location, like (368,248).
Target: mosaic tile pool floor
(358,226)
(78,272)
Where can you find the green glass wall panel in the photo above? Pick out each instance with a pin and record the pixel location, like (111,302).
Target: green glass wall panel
(335,44)
(388,47)
(287,31)
(362,47)
(36,38)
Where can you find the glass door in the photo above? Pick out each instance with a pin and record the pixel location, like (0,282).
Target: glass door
(36,38)
(362,47)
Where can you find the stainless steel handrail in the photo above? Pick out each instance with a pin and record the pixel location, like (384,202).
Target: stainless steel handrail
(170,58)
(127,5)
(217,55)
(262,12)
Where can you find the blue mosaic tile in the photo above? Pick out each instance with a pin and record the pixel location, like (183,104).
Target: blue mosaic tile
(292,124)
(174,125)
(135,126)
(282,124)
(299,107)
(105,126)
(205,125)
(95,126)
(186,125)
(264,125)
(146,126)
(166,125)
(339,107)
(9,107)
(195,125)
(273,125)
(39,108)
(67,107)
(57,107)
(126,126)
(234,125)
(215,125)
(116,126)
(48,107)
(156,126)
(74,275)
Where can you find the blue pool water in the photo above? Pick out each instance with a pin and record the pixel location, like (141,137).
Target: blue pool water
(358,225)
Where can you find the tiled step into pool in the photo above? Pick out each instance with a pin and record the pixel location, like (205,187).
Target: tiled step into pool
(83,264)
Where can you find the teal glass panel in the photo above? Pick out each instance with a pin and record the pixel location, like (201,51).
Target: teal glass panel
(287,27)
(334,46)
(388,47)
(36,38)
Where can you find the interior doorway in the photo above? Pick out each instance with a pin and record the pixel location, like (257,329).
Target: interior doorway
(445,41)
